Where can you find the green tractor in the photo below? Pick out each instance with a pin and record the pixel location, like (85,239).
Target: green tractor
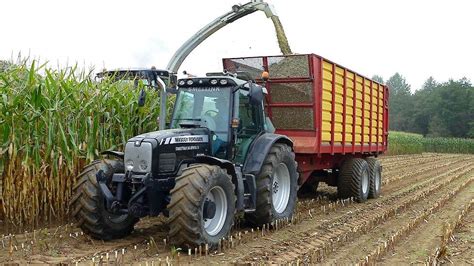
(219,158)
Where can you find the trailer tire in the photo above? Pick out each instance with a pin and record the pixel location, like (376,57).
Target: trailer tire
(88,205)
(273,205)
(197,188)
(375,175)
(353,180)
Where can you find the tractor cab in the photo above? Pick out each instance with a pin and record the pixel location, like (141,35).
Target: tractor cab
(229,107)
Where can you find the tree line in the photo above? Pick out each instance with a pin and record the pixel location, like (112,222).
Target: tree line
(438,109)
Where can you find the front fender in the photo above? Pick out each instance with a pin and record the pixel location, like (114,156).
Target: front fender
(117,154)
(237,178)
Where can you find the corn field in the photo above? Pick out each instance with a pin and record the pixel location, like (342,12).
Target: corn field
(410,143)
(53,122)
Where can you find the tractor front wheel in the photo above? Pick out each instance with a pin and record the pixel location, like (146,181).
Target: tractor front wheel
(88,204)
(202,207)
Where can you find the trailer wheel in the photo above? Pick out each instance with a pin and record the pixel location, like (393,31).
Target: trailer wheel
(353,180)
(277,186)
(202,207)
(375,174)
(88,204)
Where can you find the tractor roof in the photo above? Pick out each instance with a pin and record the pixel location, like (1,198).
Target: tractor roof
(140,73)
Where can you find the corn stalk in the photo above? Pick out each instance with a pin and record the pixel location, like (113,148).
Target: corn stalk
(52,123)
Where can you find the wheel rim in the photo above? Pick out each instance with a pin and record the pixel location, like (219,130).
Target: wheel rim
(281,188)
(365,182)
(214,225)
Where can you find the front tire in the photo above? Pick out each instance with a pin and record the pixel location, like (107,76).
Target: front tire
(202,207)
(353,180)
(277,186)
(88,204)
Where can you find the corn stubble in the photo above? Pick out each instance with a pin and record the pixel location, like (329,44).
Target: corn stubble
(53,122)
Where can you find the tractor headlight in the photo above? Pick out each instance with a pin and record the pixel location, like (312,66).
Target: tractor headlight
(143,165)
(129,165)
(223,82)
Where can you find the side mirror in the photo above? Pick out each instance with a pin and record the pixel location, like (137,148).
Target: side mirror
(255,94)
(142,97)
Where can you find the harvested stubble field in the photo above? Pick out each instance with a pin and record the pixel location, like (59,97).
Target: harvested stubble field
(425,214)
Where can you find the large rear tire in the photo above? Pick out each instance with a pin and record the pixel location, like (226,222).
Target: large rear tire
(202,207)
(353,180)
(88,205)
(277,186)
(375,175)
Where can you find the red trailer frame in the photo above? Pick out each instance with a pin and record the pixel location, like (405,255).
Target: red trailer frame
(312,153)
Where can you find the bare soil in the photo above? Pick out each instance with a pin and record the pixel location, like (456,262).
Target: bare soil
(420,194)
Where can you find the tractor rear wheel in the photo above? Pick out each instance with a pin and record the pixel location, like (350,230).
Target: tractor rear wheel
(353,180)
(277,186)
(202,207)
(375,175)
(88,204)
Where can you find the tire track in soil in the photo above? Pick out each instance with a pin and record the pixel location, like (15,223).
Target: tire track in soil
(391,182)
(460,248)
(422,239)
(389,166)
(321,239)
(397,159)
(326,198)
(68,244)
(436,165)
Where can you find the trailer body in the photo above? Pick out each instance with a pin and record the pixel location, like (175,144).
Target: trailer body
(329,111)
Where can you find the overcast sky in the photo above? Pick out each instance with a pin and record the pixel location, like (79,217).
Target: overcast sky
(416,38)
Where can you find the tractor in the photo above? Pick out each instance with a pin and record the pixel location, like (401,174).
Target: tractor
(219,157)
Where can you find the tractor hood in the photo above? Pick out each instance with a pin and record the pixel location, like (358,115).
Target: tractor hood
(162,152)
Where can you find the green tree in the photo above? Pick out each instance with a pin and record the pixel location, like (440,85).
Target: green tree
(444,109)
(454,102)
(378,78)
(400,103)
(437,127)
(423,107)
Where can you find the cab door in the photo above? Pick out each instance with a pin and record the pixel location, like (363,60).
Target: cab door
(250,126)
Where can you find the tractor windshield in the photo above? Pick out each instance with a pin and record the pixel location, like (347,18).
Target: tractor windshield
(204,107)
